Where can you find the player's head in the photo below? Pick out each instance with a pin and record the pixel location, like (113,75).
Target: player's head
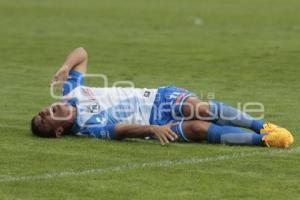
(53,121)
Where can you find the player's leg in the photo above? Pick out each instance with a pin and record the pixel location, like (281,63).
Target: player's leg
(180,103)
(197,130)
(220,114)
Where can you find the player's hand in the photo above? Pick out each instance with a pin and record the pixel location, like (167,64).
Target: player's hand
(163,133)
(60,76)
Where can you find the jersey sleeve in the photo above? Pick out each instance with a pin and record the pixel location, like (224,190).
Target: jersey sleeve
(75,79)
(100,132)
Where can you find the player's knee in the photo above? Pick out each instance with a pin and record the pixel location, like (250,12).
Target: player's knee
(202,110)
(197,129)
(196,109)
(198,126)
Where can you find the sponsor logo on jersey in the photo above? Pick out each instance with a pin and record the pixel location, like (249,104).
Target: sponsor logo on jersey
(147,94)
(94,108)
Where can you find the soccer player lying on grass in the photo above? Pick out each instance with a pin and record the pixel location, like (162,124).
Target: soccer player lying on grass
(167,114)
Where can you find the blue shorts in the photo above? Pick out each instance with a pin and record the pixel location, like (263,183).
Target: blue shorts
(167,108)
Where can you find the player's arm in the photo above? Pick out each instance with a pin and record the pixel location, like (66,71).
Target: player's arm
(163,133)
(76,60)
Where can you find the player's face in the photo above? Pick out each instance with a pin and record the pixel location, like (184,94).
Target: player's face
(52,117)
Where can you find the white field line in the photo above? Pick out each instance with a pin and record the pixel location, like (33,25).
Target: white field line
(133,166)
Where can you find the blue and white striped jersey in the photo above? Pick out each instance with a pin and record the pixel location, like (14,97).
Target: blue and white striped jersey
(100,109)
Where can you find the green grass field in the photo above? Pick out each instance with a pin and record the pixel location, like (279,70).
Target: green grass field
(240,50)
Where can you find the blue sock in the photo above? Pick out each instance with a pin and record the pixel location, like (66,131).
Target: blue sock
(223,114)
(233,136)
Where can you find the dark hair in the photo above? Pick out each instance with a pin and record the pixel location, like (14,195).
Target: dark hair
(38,132)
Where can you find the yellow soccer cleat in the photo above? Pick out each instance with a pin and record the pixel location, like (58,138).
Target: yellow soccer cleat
(276,136)
(268,127)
